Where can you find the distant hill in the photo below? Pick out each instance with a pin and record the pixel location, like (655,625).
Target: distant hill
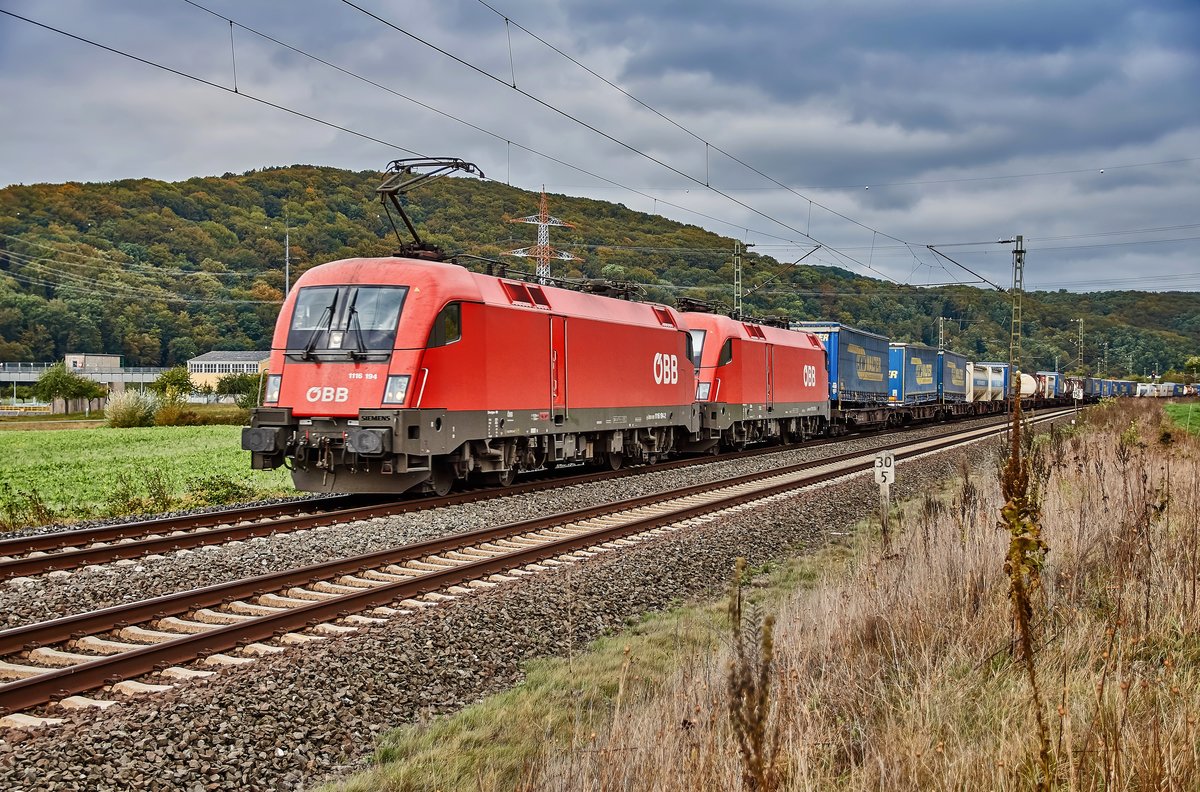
(159,272)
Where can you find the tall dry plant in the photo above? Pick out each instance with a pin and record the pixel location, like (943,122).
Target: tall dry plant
(1023,564)
(906,675)
(749,684)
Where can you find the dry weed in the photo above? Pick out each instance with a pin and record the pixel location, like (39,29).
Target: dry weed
(900,674)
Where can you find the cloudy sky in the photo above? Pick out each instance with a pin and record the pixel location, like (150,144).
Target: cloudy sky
(875,127)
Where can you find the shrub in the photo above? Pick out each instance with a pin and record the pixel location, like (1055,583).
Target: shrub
(125,495)
(19,508)
(172,411)
(131,408)
(216,490)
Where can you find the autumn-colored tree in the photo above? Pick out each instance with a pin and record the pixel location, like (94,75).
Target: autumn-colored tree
(158,272)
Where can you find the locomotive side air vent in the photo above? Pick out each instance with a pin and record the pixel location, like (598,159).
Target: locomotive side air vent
(664,316)
(518,293)
(538,296)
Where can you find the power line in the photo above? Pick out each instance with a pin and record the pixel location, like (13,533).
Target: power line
(127,265)
(361,134)
(93,287)
(24,258)
(708,144)
(478,128)
(917,182)
(1087,247)
(211,84)
(1099,169)
(596,130)
(523,147)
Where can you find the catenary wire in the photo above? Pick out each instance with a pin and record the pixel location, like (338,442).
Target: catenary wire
(127,265)
(596,130)
(212,84)
(343,70)
(681,127)
(361,134)
(478,128)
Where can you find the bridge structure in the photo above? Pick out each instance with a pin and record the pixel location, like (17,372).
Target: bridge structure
(27,373)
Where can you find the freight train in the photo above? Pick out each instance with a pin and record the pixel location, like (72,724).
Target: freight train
(395,374)
(411,373)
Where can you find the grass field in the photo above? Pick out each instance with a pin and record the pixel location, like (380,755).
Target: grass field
(1186,416)
(85,473)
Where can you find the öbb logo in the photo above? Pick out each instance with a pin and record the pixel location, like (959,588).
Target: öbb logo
(666,369)
(327,394)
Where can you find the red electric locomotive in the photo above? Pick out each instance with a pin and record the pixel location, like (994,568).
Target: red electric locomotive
(391,374)
(757,382)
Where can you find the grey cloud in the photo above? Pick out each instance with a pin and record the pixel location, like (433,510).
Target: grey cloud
(815,94)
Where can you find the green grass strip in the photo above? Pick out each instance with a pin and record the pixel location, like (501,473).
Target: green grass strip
(76,471)
(1186,416)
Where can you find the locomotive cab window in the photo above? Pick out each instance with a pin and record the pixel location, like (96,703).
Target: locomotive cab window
(345,320)
(696,345)
(447,326)
(726,355)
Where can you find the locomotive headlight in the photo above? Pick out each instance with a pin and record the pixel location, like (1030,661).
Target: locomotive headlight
(702,389)
(272,394)
(396,390)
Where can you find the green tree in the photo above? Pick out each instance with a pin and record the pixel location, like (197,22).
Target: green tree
(173,383)
(237,384)
(181,350)
(246,387)
(58,383)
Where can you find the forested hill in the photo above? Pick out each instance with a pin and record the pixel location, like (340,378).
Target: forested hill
(160,272)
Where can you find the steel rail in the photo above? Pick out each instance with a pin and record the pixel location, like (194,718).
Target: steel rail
(56,540)
(239,527)
(30,636)
(33,691)
(272,519)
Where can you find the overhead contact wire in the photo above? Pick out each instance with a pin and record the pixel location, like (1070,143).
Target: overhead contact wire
(212,84)
(628,146)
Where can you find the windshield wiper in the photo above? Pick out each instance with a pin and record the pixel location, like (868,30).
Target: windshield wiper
(361,352)
(312,338)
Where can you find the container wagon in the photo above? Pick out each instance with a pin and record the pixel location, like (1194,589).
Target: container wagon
(951,377)
(912,374)
(987,382)
(857,364)
(1049,384)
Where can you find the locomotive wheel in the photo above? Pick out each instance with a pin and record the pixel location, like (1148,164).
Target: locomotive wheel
(614,460)
(442,478)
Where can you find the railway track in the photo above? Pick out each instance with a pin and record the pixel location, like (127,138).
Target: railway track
(30,556)
(232,623)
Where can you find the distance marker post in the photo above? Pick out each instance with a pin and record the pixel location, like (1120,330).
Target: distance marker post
(885,475)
